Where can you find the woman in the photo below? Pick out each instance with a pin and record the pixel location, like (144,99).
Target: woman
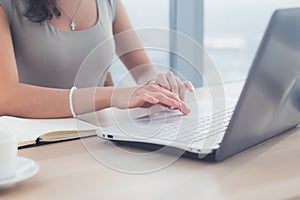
(43,43)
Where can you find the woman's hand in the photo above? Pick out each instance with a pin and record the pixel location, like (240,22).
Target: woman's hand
(172,83)
(146,96)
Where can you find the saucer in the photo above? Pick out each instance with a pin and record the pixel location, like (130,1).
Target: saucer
(26,168)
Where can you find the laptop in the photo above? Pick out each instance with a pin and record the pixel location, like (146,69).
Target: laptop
(268,105)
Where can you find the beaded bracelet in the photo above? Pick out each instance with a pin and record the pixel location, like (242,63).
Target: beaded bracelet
(71,101)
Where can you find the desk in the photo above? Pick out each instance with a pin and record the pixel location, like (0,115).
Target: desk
(68,171)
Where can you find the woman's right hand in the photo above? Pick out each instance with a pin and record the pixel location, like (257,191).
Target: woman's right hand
(146,96)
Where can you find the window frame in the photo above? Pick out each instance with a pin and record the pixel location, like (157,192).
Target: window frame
(181,12)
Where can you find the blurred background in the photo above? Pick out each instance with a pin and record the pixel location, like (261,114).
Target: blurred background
(230,31)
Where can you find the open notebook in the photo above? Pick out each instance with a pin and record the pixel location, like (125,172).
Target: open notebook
(35,131)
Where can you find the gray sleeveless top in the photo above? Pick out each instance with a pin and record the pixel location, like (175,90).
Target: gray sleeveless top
(49,57)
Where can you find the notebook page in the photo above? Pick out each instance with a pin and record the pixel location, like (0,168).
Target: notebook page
(31,129)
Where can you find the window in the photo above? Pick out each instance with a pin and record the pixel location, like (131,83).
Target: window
(233,31)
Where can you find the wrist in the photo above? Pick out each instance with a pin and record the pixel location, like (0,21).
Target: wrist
(103,97)
(120,96)
(148,75)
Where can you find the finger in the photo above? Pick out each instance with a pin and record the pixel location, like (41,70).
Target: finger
(165,100)
(169,102)
(150,99)
(162,81)
(158,89)
(185,109)
(143,99)
(181,88)
(189,86)
(172,82)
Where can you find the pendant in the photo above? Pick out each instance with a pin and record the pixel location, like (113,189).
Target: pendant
(73,26)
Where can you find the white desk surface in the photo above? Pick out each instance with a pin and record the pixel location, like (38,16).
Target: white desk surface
(68,171)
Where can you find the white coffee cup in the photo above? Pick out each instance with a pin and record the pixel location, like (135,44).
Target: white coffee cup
(8,155)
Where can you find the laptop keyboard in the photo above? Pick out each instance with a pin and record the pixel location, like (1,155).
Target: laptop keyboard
(189,130)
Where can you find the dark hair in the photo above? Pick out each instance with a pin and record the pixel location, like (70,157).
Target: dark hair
(41,10)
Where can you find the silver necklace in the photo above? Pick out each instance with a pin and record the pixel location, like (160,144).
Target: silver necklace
(72,18)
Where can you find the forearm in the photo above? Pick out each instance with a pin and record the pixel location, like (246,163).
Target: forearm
(140,66)
(133,55)
(130,49)
(38,102)
(35,102)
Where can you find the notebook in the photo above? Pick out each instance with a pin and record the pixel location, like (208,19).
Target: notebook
(37,131)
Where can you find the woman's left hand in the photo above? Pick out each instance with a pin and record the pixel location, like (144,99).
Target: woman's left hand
(172,83)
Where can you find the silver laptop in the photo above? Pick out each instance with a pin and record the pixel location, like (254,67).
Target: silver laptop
(269,104)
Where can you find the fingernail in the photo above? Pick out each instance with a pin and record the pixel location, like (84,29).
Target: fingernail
(187,110)
(177,104)
(193,89)
(155,100)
